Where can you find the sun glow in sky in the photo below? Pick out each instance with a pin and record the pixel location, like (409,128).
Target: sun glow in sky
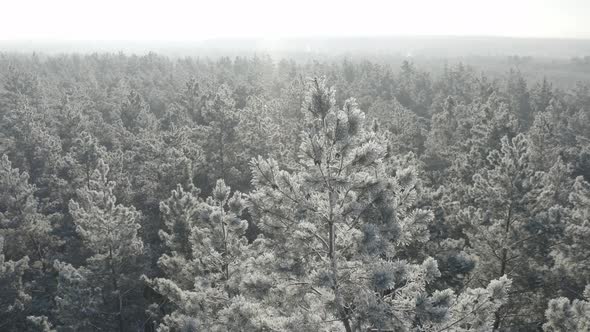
(184,20)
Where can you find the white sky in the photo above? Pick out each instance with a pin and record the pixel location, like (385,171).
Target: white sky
(179,20)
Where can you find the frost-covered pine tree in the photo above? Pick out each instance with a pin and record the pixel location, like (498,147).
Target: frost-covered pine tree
(19,86)
(40,324)
(563,315)
(571,255)
(257,133)
(491,121)
(29,234)
(407,130)
(83,158)
(506,230)
(29,231)
(135,114)
(446,136)
(206,247)
(179,213)
(109,233)
(550,136)
(461,137)
(190,104)
(33,148)
(218,132)
(335,233)
(78,300)
(541,95)
(14,297)
(519,98)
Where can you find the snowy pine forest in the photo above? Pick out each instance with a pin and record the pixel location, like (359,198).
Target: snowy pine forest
(154,193)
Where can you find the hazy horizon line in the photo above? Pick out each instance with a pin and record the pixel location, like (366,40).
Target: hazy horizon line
(287,37)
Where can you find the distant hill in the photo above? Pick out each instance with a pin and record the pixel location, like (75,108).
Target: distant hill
(402,46)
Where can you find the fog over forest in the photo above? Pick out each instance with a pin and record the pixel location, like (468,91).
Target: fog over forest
(366,181)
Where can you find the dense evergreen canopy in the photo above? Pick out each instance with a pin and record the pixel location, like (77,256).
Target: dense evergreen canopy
(143,193)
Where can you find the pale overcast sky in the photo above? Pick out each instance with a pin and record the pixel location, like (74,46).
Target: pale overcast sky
(178,20)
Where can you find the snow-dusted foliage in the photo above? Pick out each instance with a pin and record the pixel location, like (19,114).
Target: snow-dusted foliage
(15,296)
(337,227)
(109,232)
(206,249)
(565,315)
(576,244)
(108,229)
(29,231)
(459,202)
